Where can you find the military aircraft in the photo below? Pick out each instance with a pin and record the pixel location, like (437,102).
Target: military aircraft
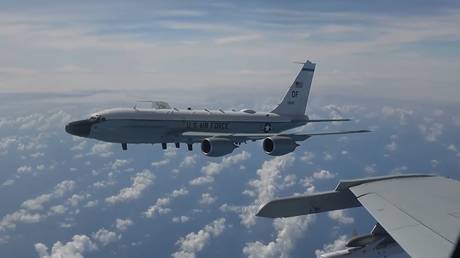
(416,213)
(218,131)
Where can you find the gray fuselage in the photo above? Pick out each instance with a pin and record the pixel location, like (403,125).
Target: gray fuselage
(123,125)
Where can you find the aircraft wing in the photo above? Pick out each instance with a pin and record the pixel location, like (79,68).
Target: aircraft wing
(241,137)
(420,212)
(329,120)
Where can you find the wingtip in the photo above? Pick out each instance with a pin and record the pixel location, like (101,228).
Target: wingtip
(262,212)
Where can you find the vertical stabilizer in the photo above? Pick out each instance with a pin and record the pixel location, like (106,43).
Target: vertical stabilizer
(295,101)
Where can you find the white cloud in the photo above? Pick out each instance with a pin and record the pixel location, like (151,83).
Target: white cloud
(5,144)
(123,224)
(59,191)
(392,146)
(103,150)
(37,155)
(104,184)
(118,163)
(432,131)
(4,240)
(213,168)
(91,204)
(393,32)
(452,147)
(196,26)
(55,120)
(231,208)
(160,205)
(288,230)
(140,182)
(31,143)
(181,219)
(202,180)
(308,183)
(65,225)
(289,180)
(24,169)
(80,146)
(189,161)
(370,169)
(57,209)
(266,186)
(207,198)
(193,243)
(182,13)
(169,153)
(340,216)
(308,157)
(8,182)
(29,212)
(72,249)
(76,199)
(41,121)
(105,236)
(237,38)
(160,163)
(179,192)
(338,244)
(399,112)
(327,156)
(23,216)
(399,170)
(434,163)
(323,174)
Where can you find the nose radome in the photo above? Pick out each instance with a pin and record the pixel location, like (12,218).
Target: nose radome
(67,128)
(80,128)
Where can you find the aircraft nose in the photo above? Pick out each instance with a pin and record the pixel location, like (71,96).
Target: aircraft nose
(80,128)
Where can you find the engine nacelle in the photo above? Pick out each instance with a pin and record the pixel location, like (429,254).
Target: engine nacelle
(279,145)
(366,251)
(372,245)
(215,147)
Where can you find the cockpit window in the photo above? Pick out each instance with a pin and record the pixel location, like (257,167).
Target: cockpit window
(97,118)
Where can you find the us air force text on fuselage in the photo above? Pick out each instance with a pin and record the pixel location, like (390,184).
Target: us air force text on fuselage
(203,125)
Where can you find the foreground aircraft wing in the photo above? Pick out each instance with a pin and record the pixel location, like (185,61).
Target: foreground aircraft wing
(241,137)
(420,212)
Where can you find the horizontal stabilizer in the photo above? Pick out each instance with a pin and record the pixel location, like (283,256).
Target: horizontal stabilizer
(342,132)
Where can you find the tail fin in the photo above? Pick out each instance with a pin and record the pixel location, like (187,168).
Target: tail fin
(295,101)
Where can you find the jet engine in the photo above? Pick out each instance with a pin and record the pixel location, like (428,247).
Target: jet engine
(279,145)
(215,147)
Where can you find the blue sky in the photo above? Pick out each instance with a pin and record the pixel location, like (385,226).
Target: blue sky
(397,49)
(392,66)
